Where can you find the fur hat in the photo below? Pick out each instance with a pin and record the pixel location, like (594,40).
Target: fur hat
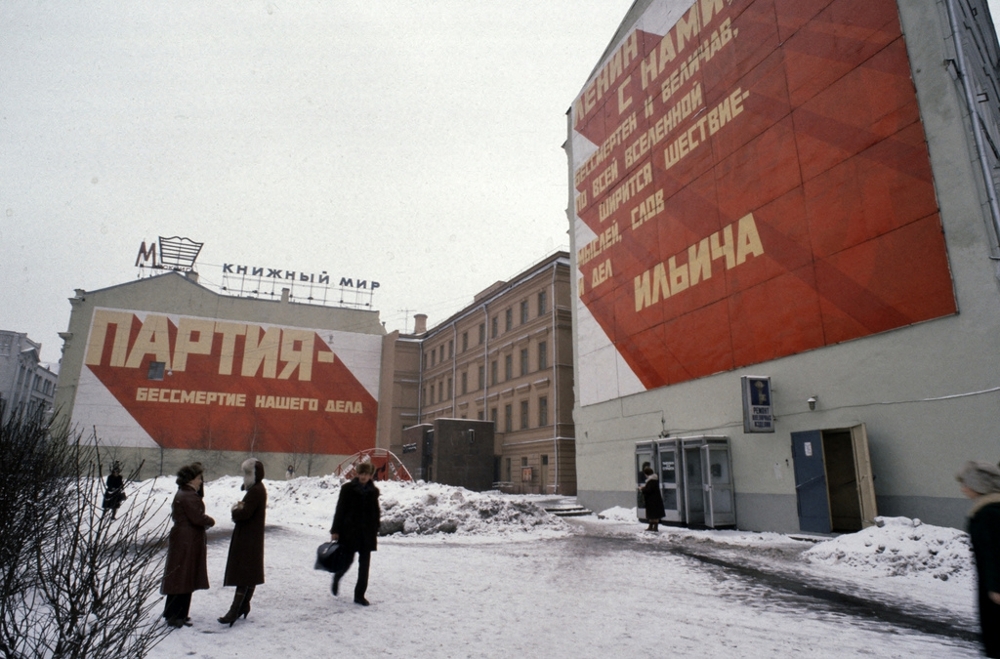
(981,477)
(188,473)
(253,472)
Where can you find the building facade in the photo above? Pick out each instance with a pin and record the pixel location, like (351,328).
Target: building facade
(162,371)
(27,386)
(784,226)
(505,359)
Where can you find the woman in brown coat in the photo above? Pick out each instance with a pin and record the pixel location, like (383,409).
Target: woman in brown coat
(245,565)
(186,569)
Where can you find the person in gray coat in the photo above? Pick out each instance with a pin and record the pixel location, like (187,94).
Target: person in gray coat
(245,565)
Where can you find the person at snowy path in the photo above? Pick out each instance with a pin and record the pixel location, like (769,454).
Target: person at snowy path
(114,490)
(186,570)
(355,527)
(653,499)
(981,483)
(245,564)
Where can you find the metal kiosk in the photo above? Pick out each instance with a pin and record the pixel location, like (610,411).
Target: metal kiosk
(695,479)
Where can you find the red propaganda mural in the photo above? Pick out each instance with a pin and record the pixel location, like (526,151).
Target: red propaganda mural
(751,181)
(205,384)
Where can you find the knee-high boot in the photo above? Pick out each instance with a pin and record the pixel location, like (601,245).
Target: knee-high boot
(236,609)
(245,607)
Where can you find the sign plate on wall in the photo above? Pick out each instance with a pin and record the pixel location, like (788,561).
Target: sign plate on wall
(758,413)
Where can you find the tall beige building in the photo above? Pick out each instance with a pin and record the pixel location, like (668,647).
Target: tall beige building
(505,358)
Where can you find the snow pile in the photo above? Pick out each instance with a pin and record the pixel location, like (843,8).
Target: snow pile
(407,508)
(619,514)
(424,508)
(899,546)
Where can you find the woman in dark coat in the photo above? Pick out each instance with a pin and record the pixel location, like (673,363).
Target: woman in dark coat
(981,483)
(186,569)
(653,499)
(114,490)
(245,565)
(355,527)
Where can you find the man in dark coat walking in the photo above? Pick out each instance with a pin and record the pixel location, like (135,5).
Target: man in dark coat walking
(355,527)
(981,483)
(245,565)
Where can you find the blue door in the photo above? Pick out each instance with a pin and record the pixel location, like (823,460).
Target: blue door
(810,481)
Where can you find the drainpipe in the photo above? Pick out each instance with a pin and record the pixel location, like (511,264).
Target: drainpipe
(977,130)
(555,381)
(420,379)
(454,372)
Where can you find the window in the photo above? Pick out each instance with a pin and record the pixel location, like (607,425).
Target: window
(524,415)
(543,411)
(508,367)
(479,415)
(465,382)
(543,304)
(493,417)
(482,333)
(508,319)
(441,358)
(524,361)
(429,398)
(156,370)
(524,462)
(524,311)
(465,341)
(494,325)
(508,422)
(543,355)
(482,376)
(449,388)
(433,355)
(493,372)
(451,349)
(440,391)
(508,469)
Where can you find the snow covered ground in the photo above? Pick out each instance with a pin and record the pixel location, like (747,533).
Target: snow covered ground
(469,574)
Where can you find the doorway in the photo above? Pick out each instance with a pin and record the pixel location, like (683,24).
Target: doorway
(833,480)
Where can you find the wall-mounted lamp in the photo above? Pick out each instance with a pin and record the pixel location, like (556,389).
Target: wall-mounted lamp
(812,402)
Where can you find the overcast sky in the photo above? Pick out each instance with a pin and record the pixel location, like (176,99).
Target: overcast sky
(416,143)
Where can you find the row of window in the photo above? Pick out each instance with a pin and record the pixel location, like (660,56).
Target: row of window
(523,418)
(436,393)
(437,354)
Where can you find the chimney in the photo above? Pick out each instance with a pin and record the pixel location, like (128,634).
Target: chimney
(285,292)
(420,323)
(192,275)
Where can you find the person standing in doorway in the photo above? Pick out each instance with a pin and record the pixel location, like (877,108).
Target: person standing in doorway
(653,498)
(981,483)
(355,527)
(245,565)
(186,569)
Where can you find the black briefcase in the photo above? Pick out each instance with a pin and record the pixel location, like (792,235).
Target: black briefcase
(330,556)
